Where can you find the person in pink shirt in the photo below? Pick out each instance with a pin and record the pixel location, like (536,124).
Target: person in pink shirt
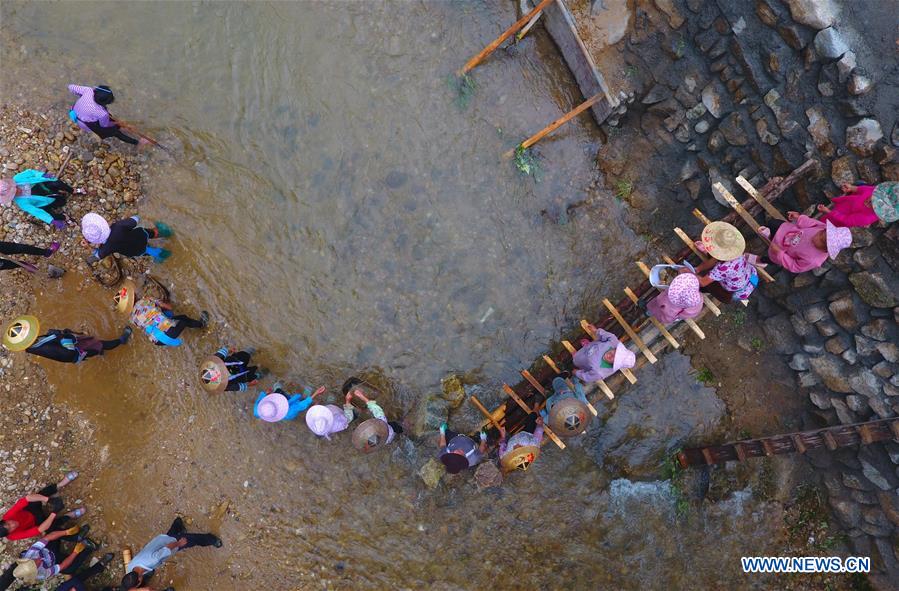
(679,301)
(803,243)
(861,206)
(90,113)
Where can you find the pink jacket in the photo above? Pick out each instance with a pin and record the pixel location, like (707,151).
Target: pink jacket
(796,252)
(850,211)
(661,308)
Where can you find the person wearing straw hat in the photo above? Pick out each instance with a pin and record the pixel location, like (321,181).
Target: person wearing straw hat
(90,113)
(680,300)
(803,243)
(562,391)
(17,248)
(729,273)
(65,346)
(29,516)
(123,237)
(863,205)
(598,359)
(281,406)
(229,371)
(38,194)
(325,420)
(156,318)
(530,436)
(373,432)
(38,562)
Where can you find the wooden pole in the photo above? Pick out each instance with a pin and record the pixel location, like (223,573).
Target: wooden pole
(556,124)
(766,205)
(473,62)
(484,411)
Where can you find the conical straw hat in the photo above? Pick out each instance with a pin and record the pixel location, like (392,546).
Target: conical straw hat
(214,374)
(21,333)
(723,241)
(370,435)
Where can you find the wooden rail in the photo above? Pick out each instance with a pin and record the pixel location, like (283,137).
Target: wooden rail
(830,437)
(628,321)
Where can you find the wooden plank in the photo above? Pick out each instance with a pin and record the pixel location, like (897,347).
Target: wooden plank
(491,47)
(701,217)
(533,381)
(664,331)
(732,201)
(829,440)
(766,205)
(588,329)
(551,364)
(894,427)
(561,26)
(741,453)
(798,443)
(630,331)
(690,244)
(766,445)
(864,432)
(708,456)
(484,411)
(514,396)
(569,346)
(530,141)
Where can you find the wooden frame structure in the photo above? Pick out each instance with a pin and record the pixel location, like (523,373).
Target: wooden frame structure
(628,321)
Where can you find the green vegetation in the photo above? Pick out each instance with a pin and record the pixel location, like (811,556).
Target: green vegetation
(705,376)
(679,47)
(525,161)
(807,520)
(623,189)
(739,317)
(757,344)
(672,471)
(631,71)
(465,87)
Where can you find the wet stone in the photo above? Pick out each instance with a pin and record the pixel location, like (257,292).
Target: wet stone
(846,511)
(732,128)
(861,137)
(877,329)
(850,356)
(761,128)
(765,13)
(820,399)
(801,326)
(712,99)
(859,82)
(815,313)
(701,127)
(865,382)
(837,344)
(845,65)
(817,14)
(865,346)
(874,476)
(830,44)
(431,472)
(868,171)
(791,35)
(799,362)
(875,289)
(487,475)
(880,407)
(863,497)
(857,403)
(842,170)
(844,312)
(819,129)
(889,351)
(832,372)
(826,328)
(856,482)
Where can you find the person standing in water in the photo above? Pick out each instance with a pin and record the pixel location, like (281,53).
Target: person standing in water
(124,237)
(90,113)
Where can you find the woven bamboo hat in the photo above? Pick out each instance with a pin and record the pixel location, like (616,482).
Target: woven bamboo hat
(885,201)
(214,374)
(723,241)
(370,435)
(125,296)
(519,458)
(21,333)
(569,417)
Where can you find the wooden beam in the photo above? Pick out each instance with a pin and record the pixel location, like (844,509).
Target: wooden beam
(484,411)
(829,440)
(894,427)
(557,124)
(766,445)
(551,364)
(629,330)
(741,453)
(864,432)
(514,396)
(533,381)
(798,443)
(690,244)
(766,205)
(671,340)
(701,217)
(708,456)
(470,64)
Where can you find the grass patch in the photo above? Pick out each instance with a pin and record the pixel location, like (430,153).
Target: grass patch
(705,376)
(526,161)
(739,318)
(672,471)
(464,87)
(631,71)
(623,189)
(757,344)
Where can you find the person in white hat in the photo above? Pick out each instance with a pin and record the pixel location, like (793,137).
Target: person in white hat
(123,237)
(600,358)
(281,406)
(325,420)
(803,243)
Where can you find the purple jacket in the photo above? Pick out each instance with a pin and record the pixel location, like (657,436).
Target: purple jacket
(87,109)
(588,359)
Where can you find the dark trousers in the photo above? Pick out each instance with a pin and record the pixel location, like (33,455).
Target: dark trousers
(177,531)
(55,351)
(114,131)
(48,188)
(249,371)
(40,512)
(16,248)
(181,322)
(76,583)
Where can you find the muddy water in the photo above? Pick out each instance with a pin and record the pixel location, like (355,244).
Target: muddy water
(336,209)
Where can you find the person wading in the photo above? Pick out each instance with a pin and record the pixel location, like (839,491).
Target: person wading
(458,452)
(123,237)
(65,345)
(90,113)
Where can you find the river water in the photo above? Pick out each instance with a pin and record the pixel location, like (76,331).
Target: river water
(336,207)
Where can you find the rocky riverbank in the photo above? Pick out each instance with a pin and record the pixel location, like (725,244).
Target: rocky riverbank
(41,439)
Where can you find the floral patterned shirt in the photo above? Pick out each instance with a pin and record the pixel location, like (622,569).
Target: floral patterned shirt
(735,276)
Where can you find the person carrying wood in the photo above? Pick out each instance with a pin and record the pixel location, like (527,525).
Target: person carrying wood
(679,300)
(90,113)
(520,450)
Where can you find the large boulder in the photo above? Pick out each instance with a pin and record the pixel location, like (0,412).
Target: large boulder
(833,372)
(818,14)
(861,137)
(453,391)
(875,289)
(830,44)
(425,418)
